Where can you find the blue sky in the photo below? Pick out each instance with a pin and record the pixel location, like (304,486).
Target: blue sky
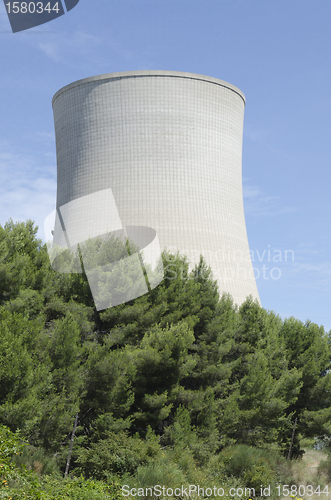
(276,51)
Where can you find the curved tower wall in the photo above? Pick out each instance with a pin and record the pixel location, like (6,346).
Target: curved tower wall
(169,145)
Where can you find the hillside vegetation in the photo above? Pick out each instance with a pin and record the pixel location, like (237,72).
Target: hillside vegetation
(177,387)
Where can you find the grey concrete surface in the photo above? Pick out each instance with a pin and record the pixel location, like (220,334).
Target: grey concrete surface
(169,146)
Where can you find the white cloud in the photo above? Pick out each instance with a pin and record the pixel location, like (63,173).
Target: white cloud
(83,49)
(51,50)
(62,47)
(258,204)
(307,249)
(313,277)
(27,186)
(41,137)
(255,134)
(320,268)
(311,268)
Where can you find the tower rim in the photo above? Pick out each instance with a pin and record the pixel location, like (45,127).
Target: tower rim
(122,75)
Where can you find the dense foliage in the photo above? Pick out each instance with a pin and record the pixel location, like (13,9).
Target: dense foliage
(179,369)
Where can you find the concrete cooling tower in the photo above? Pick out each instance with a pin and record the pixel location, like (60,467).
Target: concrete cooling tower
(158,150)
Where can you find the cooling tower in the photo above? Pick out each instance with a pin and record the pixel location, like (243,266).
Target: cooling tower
(169,147)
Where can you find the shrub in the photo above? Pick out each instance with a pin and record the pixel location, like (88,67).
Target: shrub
(161,472)
(18,483)
(253,466)
(37,460)
(117,454)
(81,489)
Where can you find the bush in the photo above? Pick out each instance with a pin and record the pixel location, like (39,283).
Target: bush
(117,454)
(308,443)
(37,460)
(161,472)
(17,483)
(253,466)
(260,474)
(175,468)
(81,489)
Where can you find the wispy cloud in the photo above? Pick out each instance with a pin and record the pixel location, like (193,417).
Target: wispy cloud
(321,268)
(306,250)
(255,133)
(42,137)
(310,268)
(66,47)
(62,47)
(51,50)
(27,186)
(315,277)
(81,48)
(259,204)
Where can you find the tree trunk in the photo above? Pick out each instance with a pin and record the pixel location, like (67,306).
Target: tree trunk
(290,450)
(71,445)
